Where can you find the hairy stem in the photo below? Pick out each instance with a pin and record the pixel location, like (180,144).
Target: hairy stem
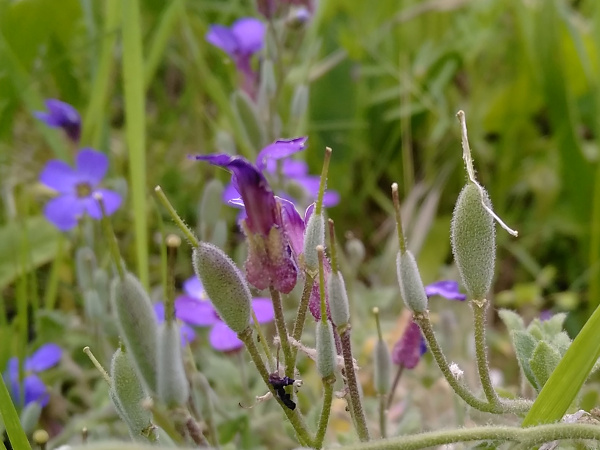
(326,411)
(479,309)
(301,316)
(355,400)
(383,416)
(282,331)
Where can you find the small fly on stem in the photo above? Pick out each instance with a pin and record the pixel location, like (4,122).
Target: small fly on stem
(280,383)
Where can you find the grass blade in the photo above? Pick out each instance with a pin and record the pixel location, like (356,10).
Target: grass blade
(15,432)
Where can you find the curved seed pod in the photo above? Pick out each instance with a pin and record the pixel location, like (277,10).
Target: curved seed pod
(314,235)
(411,285)
(338,299)
(173,389)
(473,239)
(224,284)
(128,393)
(383,366)
(137,325)
(326,354)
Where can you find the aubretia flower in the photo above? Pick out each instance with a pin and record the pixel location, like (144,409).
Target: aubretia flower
(61,115)
(34,389)
(77,188)
(244,38)
(194,309)
(187,333)
(446,288)
(269,262)
(410,347)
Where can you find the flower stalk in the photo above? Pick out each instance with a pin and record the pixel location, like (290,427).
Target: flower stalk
(282,331)
(325,411)
(479,310)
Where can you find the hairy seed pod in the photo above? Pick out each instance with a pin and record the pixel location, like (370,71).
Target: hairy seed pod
(224,284)
(128,393)
(383,367)
(137,326)
(411,285)
(326,354)
(314,235)
(473,239)
(173,389)
(338,299)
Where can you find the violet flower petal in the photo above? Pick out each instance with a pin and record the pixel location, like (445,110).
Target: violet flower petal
(445,288)
(195,312)
(408,350)
(35,390)
(45,357)
(187,334)
(193,287)
(222,37)
(61,115)
(91,166)
(293,224)
(64,211)
(58,175)
(249,34)
(112,201)
(280,149)
(223,338)
(293,168)
(263,308)
(230,193)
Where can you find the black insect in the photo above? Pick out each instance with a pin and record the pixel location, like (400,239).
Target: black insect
(279,384)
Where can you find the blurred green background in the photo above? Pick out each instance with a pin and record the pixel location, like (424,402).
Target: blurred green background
(386,80)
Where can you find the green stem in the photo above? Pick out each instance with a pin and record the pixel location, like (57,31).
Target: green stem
(479,309)
(395,385)
(262,340)
(301,315)
(178,220)
(282,331)
(382,416)
(530,436)
(293,416)
(201,381)
(325,411)
(355,401)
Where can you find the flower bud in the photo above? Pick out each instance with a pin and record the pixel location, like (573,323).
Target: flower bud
(473,241)
(172,383)
(137,325)
(411,285)
(338,299)
(382,364)
(224,285)
(128,394)
(326,354)
(314,235)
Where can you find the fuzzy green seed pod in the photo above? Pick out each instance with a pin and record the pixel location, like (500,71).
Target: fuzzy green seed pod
(411,285)
(173,389)
(314,235)
(473,239)
(137,325)
(85,264)
(94,309)
(326,354)
(224,284)
(102,287)
(30,416)
(383,367)
(338,299)
(128,393)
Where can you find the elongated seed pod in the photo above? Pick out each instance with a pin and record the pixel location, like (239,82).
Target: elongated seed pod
(473,240)
(326,354)
(173,389)
(224,284)
(383,367)
(411,285)
(338,299)
(314,235)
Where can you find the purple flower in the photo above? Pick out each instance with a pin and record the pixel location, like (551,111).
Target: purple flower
(546,314)
(187,333)
(244,38)
(445,288)
(34,389)
(196,310)
(77,188)
(61,115)
(269,262)
(410,347)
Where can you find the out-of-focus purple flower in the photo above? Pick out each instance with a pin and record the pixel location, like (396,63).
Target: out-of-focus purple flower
(269,262)
(77,188)
(240,41)
(34,389)
(187,333)
(445,288)
(410,347)
(546,314)
(196,310)
(61,115)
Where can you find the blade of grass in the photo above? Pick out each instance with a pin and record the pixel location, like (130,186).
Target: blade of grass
(15,432)
(135,120)
(94,114)
(565,382)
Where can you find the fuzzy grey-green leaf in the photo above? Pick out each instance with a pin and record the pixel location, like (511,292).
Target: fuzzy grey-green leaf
(511,319)
(524,345)
(543,361)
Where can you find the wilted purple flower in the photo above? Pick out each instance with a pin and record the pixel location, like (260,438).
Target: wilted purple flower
(34,389)
(61,115)
(77,188)
(410,347)
(269,261)
(196,310)
(445,288)
(187,333)
(244,38)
